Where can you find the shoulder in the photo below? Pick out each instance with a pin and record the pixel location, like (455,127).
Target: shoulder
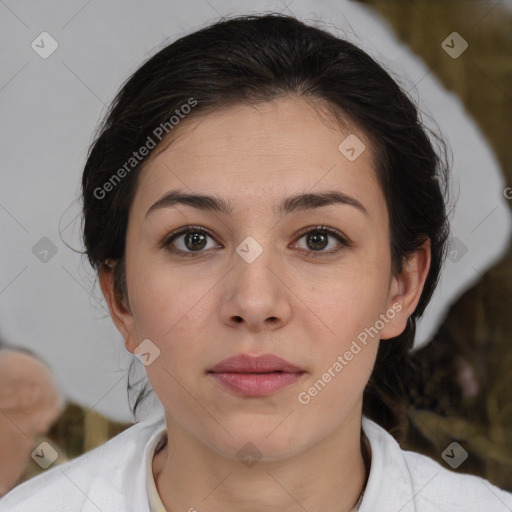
(413,482)
(107,477)
(453,490)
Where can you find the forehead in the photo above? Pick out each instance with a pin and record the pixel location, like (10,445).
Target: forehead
(274,149)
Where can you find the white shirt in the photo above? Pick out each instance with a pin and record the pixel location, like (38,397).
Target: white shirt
(116,477)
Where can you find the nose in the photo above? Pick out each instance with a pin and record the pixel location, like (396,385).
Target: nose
(255,294)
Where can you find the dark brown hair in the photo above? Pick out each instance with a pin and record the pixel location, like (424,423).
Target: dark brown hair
(252,59)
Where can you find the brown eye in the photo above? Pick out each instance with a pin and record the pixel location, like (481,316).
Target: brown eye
(317,241)
(195,241)
(189,240)
(320,238)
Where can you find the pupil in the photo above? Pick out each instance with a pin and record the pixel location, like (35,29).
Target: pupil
(318,240)
(197,241)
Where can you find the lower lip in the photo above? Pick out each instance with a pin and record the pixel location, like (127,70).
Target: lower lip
(256,384)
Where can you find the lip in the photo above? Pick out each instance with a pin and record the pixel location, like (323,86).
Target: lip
(255,375)
(244,363)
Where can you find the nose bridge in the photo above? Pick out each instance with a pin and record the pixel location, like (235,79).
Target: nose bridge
(257,248)
(255,293)
(256,260)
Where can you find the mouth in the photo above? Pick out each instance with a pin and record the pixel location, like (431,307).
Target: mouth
(245,363)
(255,376)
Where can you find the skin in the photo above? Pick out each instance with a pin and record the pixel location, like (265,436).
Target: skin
(203,309)
(30,402)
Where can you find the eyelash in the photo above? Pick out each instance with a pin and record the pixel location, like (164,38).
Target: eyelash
(344,242)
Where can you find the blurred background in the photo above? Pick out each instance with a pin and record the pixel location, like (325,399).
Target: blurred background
(65,63)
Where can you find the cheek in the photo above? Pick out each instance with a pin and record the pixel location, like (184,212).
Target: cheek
(346,354)
(166,301)
(175,311)
(343,301)
(349,303)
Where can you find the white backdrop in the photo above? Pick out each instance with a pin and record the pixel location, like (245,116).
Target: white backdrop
(50,108)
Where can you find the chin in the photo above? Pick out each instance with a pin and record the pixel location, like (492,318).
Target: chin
(268,439)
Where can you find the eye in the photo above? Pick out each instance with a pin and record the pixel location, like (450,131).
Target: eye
(193,241)
(188,240)
(317,240)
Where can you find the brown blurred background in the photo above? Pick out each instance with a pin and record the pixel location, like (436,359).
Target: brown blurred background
(465,380)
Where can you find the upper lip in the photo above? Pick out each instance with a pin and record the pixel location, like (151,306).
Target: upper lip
(245,363)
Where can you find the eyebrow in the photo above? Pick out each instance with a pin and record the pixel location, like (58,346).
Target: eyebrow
(299,202)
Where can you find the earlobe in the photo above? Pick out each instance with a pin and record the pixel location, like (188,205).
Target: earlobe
(120,313)
(406,289)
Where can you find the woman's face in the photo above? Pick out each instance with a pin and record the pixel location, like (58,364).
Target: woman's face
(263,280)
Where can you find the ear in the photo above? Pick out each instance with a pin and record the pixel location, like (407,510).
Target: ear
(119,311)
(405,291)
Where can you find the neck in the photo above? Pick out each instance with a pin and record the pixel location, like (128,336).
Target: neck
(329,476)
